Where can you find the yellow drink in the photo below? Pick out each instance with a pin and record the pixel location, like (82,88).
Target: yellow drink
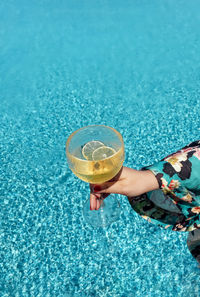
(96,171)
(95,154)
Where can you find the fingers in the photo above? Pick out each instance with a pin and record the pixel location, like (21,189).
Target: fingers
(98,203)
(100,192)
(104,190)
(93,201)
(96,200)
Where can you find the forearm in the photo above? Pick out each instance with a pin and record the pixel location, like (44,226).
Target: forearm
(130,182)
(143,181)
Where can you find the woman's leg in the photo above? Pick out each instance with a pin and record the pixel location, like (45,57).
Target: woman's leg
(193,242)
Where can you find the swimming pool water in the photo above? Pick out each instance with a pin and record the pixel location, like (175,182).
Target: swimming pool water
(132,65)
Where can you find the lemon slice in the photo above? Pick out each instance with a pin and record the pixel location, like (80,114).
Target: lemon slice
(89,148)
(103,152)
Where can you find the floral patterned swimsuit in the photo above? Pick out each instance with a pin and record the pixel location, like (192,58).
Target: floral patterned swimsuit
(176,204)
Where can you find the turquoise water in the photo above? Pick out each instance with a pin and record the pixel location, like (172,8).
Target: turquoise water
(133,65)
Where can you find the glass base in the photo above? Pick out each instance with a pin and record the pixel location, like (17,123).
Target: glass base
(107,214)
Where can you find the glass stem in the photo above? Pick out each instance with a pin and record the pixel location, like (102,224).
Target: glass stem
(101,200)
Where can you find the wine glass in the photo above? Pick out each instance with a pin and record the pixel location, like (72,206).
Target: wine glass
(95,154)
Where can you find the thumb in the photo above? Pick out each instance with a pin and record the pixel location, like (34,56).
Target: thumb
(108,187)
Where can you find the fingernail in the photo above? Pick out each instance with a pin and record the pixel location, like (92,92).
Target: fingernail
(90,208)
(97,188)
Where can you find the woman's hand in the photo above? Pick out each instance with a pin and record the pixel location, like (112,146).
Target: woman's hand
(128,182)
